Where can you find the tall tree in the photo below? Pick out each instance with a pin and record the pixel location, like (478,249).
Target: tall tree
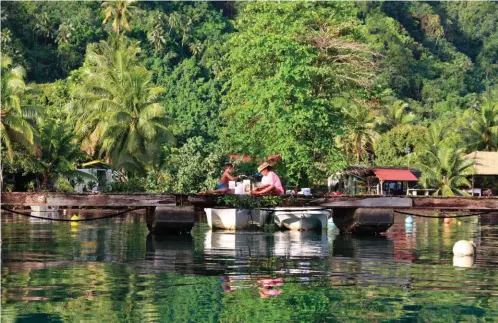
(483,127)
(359,136)
(59,153)
(15,126)
(288,62)
(395,114)
(120,12)
(445,170)
(119,110)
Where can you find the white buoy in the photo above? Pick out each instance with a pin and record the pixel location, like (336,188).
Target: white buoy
(464,261)
(409,219)
(463,248)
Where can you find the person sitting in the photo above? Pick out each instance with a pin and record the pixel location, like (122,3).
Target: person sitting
(222,186)
(270,184)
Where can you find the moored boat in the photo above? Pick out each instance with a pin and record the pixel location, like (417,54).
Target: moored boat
(302,218)
(235,219)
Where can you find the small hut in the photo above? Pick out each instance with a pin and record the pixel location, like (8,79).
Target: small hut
(102,174)
(485,176)
(361,179)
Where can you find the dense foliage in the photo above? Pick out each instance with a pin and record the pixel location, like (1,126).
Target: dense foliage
(167,90)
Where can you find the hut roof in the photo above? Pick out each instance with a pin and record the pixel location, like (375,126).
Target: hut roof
(486,162)
(364,171)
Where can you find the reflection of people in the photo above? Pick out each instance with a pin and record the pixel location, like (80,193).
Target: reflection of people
(266,287)
(270,184)
(225,284)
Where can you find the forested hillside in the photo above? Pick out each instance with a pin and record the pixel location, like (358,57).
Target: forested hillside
(167,90)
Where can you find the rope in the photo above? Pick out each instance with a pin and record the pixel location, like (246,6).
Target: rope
(443,217)
(295,209)
(66,220)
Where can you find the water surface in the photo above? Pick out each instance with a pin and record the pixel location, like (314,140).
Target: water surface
(113,271)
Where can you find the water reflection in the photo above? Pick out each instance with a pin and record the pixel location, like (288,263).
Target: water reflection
(173,253)
(36,216)
(238,244)
(301,244)
(368,247)
(114,270)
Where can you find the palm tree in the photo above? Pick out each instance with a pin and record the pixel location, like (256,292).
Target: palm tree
(156,37)
(483,127)
(445,170)
(395,114)
(42,25)
(64,33)
(120,12)
(174,21)
(15,126)
(359,135)
(59,153)
(6,36)
(196,48)
(119,107)
(437,135)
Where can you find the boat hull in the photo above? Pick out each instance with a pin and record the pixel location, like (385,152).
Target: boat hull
(302,219)
(235,219)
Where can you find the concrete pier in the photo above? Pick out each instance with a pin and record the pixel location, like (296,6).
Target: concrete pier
(170,219)
(175,212)
(363,220)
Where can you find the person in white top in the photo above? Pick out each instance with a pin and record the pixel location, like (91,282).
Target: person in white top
(270,184)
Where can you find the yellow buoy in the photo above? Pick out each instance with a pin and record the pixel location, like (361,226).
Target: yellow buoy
(74,220)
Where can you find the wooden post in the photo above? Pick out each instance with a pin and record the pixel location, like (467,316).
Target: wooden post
(472,185)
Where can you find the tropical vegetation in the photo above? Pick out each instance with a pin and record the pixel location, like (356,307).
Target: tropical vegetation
(166,91)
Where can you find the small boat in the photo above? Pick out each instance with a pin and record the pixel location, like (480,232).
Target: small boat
(302,218)
(44,208)
(235,219)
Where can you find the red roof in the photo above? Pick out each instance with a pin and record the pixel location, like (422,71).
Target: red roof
(395,175)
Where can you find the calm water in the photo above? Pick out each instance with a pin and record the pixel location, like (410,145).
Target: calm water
(115,271)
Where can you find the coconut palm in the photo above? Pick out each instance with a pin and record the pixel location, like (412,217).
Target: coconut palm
(445,170)
(196,48)
(395,114)
(359,135)
(120,12)
(174,21)
(42,25)
(119,110)
(156,37)
(59,153)
(15,126)
(437,135)
(64,33)
(483,128)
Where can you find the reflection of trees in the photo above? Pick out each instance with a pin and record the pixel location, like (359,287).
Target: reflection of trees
(140,278)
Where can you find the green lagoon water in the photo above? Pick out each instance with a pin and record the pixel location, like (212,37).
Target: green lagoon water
(115,271)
